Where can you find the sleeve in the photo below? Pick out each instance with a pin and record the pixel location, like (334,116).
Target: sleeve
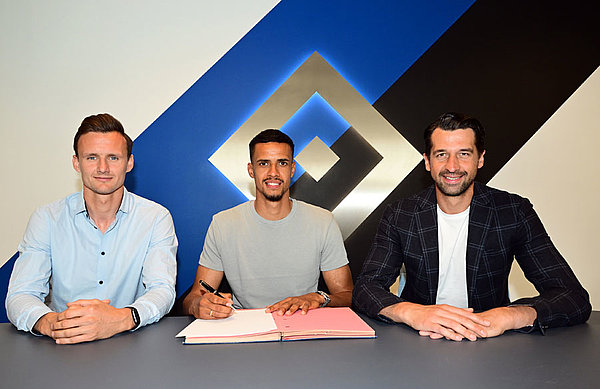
(333,255)
(29,281)
(562,300)
(211,255)
(381,268)
(159,272)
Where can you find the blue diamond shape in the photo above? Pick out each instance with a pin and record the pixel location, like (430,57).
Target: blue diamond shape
(315,118)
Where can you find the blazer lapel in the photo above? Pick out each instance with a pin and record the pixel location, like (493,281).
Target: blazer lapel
(426,223)
(480,220)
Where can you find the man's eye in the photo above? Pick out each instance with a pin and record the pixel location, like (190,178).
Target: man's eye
(90,158)
(283,163)
(113,158)
(441,156)
(262,163)
(464,154)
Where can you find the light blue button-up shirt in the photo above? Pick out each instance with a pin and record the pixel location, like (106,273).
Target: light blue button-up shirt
(65,257)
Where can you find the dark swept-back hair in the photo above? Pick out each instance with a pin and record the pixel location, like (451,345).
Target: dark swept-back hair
(451,121)
(104,123)
(270,135)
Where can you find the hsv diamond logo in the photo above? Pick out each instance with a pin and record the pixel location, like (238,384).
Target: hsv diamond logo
(397,156)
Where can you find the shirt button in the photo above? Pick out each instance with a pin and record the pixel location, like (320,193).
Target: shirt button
(102,253)
(100,282)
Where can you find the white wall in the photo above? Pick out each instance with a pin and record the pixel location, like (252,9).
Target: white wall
(61,61)
(558,171)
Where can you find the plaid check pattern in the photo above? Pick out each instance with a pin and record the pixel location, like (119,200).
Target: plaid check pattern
(502,227)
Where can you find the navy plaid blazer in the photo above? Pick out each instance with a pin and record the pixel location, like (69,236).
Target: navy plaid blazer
(502,226)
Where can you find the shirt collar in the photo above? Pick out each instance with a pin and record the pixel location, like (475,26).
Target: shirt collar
(125,207)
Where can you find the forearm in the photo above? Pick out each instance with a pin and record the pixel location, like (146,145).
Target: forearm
(24,311)
(522,316)
(340,299)
(396,312)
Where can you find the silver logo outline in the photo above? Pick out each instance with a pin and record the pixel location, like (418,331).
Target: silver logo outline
(316,75)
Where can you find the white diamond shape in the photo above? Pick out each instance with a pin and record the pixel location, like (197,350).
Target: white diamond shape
(317,158)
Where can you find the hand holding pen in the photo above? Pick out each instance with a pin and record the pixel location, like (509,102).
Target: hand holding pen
(215,305)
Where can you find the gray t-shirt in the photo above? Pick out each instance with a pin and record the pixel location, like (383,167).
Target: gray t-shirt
(266,261)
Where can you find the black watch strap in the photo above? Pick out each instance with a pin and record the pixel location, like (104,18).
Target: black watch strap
(136,317)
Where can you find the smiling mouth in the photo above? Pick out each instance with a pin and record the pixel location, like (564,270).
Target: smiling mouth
(452,178)
(273,183)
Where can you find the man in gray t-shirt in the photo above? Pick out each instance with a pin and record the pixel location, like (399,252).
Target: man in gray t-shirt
(273,249)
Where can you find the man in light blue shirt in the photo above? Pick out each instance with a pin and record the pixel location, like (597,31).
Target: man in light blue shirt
(101,261)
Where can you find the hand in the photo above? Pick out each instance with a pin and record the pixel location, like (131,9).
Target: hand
(291,304)
(43,325)
(209,306)
(439,321)
(508,318)
(87,320)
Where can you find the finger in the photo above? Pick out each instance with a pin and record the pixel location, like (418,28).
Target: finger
(304,307)
(68,323)
(464,320)
(293,307)
(458,331)
(466,313)
(283,308)
(221,312)
(449,334)
(209,314)
(83,302)
(69,314)
(431,334)
(216,300)
(280,307)
(75,311)
(75,339)
(211,307)
(471,326)
(70,332)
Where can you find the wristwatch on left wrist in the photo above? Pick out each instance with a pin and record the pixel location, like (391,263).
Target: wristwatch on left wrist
(326,298)
(135,316)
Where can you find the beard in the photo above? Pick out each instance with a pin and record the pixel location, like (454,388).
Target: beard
(454,190)
(274,197)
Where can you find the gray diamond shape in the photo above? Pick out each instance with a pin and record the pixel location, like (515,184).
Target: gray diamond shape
(317,158)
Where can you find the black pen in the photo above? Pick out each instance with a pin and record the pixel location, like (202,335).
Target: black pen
(212,290)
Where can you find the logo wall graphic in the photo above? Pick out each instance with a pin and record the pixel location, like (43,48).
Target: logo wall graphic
(315,75)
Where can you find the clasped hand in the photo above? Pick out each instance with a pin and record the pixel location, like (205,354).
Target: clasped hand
(84,321)
(452,323)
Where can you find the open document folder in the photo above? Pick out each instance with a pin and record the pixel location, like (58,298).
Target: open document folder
(255,325)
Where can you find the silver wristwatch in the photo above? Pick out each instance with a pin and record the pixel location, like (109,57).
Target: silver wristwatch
(326,297)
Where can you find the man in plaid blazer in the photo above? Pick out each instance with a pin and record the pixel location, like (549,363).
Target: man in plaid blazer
(454,293)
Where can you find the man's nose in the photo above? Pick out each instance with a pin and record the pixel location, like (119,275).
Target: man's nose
(102,165)
(452,164)
(273,171)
